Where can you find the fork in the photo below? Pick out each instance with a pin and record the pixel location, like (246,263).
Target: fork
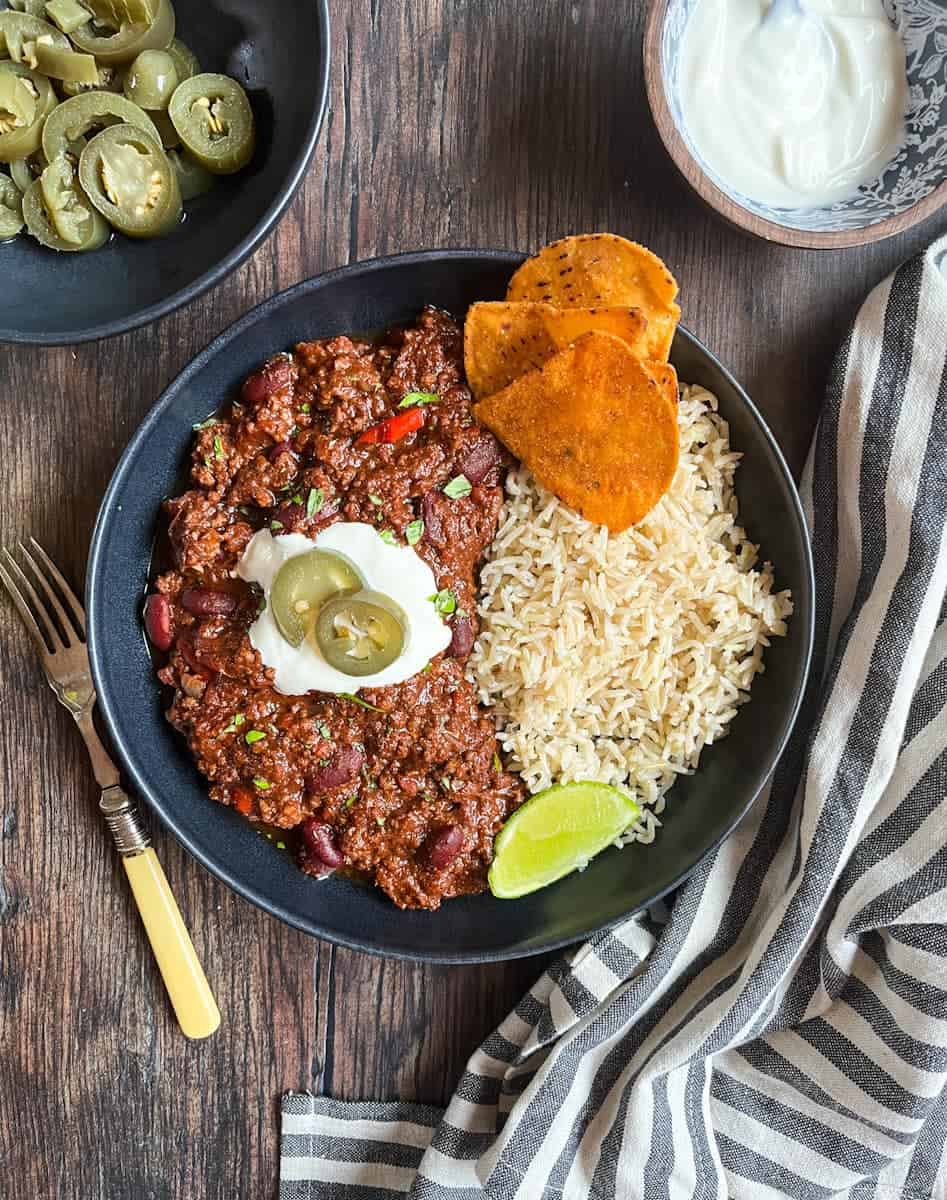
(60,638)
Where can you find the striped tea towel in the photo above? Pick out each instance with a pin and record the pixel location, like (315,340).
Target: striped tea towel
(785,1033)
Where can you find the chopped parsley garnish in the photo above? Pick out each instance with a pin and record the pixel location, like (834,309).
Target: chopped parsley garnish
(218,447)
(444,601)
(458,487)
(264,785)
(376,500)
(205,424)
(497,765)
(388,537)
(280,845)
(413,398)
(414,532)
(254,736)
(325,732)
(235,724)
(297,499)
(315,501)
(380,822)
(359,701)
(305,407)
(275,525)
(351,800)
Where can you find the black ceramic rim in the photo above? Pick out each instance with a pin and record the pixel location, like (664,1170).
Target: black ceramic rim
(240,253)
(108,703)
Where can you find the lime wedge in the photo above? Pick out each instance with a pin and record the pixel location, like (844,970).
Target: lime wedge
(555,832)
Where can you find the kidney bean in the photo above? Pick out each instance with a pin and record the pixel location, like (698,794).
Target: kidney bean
(281,448)
(206,602)
(480,460)
(288,518)
(271,377)
(443,845)
(430,515)
(461,638)
(322,844)
(158,621)
(344,765)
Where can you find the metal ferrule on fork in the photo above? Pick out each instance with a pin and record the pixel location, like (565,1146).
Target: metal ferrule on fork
(124,821)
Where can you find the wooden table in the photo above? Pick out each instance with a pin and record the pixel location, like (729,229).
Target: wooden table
(498,123)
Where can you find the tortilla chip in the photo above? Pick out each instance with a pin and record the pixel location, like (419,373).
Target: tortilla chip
(594,426)
(503,341)
(593,270)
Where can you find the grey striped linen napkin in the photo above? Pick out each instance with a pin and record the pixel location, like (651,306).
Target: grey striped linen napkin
(785,1033)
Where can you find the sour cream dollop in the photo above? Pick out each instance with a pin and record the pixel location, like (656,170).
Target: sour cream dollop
(793,109)
(394,570)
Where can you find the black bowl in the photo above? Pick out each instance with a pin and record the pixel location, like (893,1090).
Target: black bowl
(279,51)
(701,810)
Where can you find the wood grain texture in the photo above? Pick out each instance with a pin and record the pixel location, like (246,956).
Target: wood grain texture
(452,122)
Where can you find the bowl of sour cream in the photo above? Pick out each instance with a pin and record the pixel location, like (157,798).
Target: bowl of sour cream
(816,123)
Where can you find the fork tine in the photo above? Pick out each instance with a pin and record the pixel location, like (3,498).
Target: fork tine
(78,611)
(68,633)
(23,608)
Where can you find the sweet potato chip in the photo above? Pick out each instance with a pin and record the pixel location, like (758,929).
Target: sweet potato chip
(593,270)
(666,378)
(660,332)
(503,341)
(594,426)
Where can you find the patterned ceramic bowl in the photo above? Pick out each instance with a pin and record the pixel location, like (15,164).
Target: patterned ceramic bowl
(912,187)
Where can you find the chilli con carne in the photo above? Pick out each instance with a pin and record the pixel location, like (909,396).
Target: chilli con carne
(402,785)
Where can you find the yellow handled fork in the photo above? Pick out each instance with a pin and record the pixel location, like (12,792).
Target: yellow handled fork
(57,622)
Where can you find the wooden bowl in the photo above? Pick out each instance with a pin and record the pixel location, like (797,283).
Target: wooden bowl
(912,188)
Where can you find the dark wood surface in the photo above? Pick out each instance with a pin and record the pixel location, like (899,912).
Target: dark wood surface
(452,123)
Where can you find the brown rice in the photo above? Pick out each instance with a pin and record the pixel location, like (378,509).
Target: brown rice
(619,657)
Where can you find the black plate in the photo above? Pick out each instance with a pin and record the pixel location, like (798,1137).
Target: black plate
(279,51)
(701,810)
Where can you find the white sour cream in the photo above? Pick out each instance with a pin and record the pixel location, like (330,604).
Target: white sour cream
(794,110)
(395,570)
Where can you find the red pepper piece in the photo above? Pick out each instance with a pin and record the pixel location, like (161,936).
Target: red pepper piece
(242,800)
(393,429)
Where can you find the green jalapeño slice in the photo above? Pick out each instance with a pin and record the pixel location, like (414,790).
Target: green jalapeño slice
(361,634)
(26,99)
(67,206)
(151,80)
(122,44)
(93,234)
(80,115)
(193,180)
(303,585)
(11,209)
(184,59)
(214,122)
(127,176)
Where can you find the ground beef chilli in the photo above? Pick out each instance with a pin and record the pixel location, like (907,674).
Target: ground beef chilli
(409,792)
